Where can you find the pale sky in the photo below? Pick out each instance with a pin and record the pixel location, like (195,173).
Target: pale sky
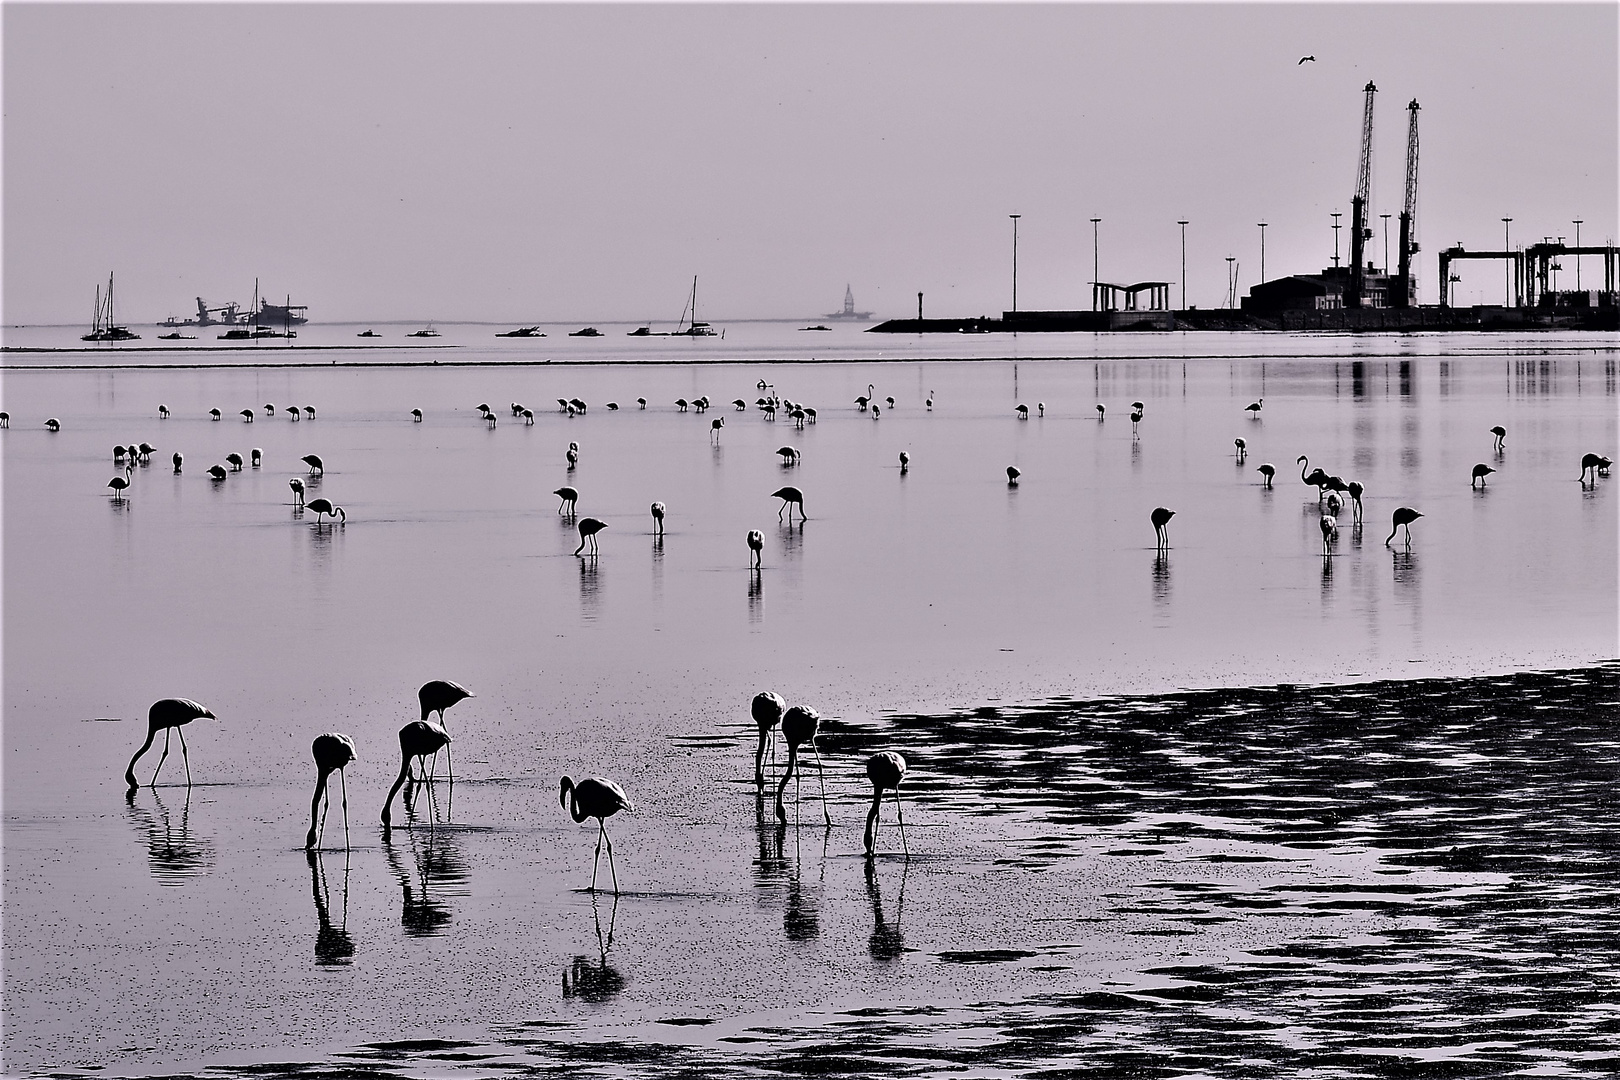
(527,162)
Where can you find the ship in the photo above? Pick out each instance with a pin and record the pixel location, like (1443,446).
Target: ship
(849,311)
(231,314)
(102,327)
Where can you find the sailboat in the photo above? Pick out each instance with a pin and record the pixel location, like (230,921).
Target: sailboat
(694,328)
(253,330)
(102,327)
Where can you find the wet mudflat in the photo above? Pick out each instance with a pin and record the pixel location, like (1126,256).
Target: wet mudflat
(1344,875)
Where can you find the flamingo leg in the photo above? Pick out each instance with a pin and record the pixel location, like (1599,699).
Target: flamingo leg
(326,803)
(183,755)
(611,868)
(821,776)
(162,756)
(902,817)
(344,784)
(596,862)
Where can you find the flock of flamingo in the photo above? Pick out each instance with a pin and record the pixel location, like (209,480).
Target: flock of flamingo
(595,797)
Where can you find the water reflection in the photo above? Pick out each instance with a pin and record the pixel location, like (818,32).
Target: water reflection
(887,942)
(595,980)
(801,915)
(1406,567)
(590,588)
(332,943)
(770,866)
(174,854)
(756,596)
(790,535)
(1161,578)
(429,867)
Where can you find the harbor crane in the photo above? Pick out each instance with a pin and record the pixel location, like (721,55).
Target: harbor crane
(1361,209)
(1403,286)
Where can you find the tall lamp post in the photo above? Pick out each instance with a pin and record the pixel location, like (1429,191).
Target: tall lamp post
(1337,214)
(1183,225)
(1015,218)
(1386,243)
(1094,291)
(1577,223)
(1263,225)
(1231,289)
(1507,267)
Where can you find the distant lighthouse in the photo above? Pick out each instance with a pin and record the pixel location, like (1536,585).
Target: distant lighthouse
(849,311)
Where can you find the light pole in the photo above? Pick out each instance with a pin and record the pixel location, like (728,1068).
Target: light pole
(1386,243)
(1577,223)
(1183,225)
(1507,267)
(1015,218)
(1337,214)
(1094,292)
(1263,225)
(1231,289)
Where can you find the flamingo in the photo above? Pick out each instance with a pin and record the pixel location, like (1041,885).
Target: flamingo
(788,454)
(118,455)
(1501,434)
(247,416)
(53,424)
(930,401)
(177,460)
(578,404)
(1102,411)
(1268,471)
(1317,478)
(569,497)
(1253,408)
(419,738)
(435,696)
(1594,463)
(1040,408)
(1161,518)
(588,528)
(799,726)
(256,457)
(1329,524)
(877,410)
(292,411)
(1334,503)
(309,412)
(810,414)
(741,405)
(642,402)
(146,450)
(756,546)
(658,518)
(163,412)
(790,496)
(798,416)
(332,752)
(416,416)
(714,428)
(885,769)
(296,484)
(217,472)
(5,419)
(118,484)
(528,415)
(1354,489)
(213,414)
(168,715)
(314,463)
(234,460)
(890,400)
(1481,471)
(681,404)
(905,461)
(1402,518)
(1013,473)
(269,409)
(767,709)
(599,798)
(1022,410)
(1242,448)
(572,455)
(483,408)
(324,506)
(1136,417)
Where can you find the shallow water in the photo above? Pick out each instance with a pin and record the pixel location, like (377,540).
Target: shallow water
(169,931)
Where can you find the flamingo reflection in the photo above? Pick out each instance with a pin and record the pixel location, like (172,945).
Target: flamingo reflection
(887,941)
(173,853)
(596,981)
(332,943)
(435,870)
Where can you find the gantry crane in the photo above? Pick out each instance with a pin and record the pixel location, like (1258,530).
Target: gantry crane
(1361,209)
(1402,296)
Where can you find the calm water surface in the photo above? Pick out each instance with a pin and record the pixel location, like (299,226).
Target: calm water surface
(1100,866)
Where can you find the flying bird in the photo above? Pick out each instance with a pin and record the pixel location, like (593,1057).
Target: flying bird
(168,715)
(332,752)
(597,798)
(1302,60)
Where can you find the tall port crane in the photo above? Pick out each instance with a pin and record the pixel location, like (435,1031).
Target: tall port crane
(1361,208)
(1409,245)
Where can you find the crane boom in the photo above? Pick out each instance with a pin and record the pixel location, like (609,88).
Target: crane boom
(1409,247)
(1361,208)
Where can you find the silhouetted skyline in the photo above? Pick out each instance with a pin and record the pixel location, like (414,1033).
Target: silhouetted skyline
(522,163)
